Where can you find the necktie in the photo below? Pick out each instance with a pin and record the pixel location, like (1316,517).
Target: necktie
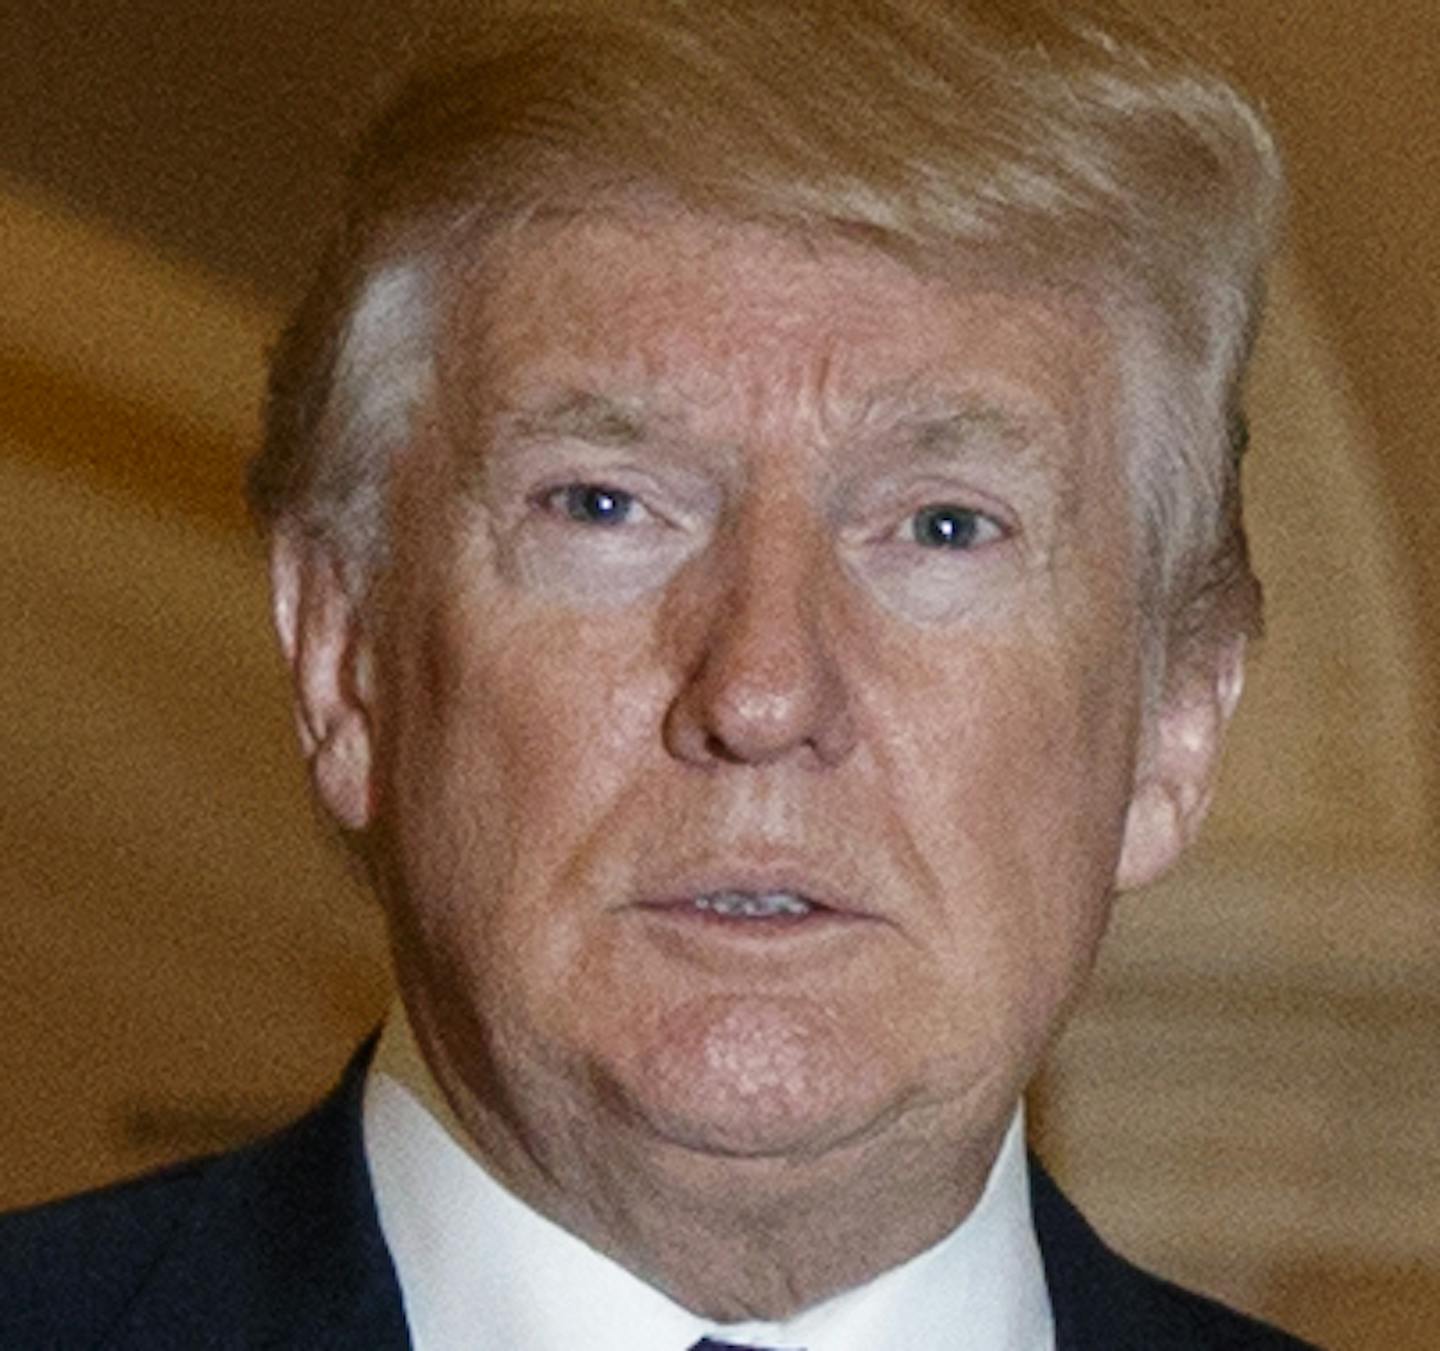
(710,1344)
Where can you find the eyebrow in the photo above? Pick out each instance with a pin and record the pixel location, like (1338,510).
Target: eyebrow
(905,426)
(582,415)
(943,433)
(922,423)
(939,426)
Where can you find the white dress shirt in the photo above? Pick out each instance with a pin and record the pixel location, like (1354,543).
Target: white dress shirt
(478,1268)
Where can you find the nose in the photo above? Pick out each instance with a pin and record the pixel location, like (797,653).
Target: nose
(767,683)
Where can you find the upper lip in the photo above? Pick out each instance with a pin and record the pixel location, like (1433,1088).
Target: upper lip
(822,885)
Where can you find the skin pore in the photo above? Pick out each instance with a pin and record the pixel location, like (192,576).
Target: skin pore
(728,564)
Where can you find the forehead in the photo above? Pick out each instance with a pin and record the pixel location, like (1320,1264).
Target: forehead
(610,323)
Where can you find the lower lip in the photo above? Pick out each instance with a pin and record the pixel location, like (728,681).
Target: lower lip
(780,947)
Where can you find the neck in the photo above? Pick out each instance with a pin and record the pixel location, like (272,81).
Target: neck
(731,1238)
(736,1239)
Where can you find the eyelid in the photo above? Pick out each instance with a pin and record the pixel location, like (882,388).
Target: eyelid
(902,490)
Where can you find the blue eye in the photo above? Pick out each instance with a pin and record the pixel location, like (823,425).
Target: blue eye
(945,525)
(595,504)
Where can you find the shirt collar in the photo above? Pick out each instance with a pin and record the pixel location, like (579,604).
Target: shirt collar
(478,1267)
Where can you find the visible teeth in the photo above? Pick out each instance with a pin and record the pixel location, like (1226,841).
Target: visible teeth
(752,905)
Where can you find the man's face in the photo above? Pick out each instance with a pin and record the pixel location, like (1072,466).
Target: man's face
(753,713)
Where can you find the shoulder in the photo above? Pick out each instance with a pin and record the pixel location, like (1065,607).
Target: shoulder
(1103,1301)
(275,1244)
(68,1267)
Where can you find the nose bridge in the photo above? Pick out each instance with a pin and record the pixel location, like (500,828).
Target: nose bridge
(767,681)
(770,627)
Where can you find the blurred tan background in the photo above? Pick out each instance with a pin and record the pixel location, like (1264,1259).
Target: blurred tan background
(1251,1097)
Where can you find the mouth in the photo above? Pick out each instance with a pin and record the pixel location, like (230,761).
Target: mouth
(774,925)
(764,909)
(765,895)
(756,905)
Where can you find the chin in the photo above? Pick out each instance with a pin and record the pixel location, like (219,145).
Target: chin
(757,1078)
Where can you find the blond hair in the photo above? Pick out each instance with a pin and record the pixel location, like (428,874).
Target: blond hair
(1071,139)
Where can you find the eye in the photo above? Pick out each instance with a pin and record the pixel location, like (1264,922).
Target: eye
(593,504)
(946,525)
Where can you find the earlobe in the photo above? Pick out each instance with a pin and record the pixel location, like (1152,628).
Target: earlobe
(330,659)
(1155,836)
(1176,777)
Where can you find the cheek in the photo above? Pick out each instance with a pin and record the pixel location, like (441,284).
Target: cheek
(1013,803)
(510,745)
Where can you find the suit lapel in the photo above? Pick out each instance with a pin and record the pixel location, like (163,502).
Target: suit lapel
(1085,1291)
(1103,1303)
(281,1248)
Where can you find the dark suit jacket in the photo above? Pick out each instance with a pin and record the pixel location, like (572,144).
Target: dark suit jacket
(278,1245)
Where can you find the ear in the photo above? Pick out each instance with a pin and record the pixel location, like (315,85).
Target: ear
(1181,756)
(331,664)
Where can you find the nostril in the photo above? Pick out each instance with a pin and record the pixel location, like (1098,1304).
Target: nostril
(716,749)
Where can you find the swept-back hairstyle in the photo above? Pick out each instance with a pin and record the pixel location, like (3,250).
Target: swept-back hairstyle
(1073,141)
